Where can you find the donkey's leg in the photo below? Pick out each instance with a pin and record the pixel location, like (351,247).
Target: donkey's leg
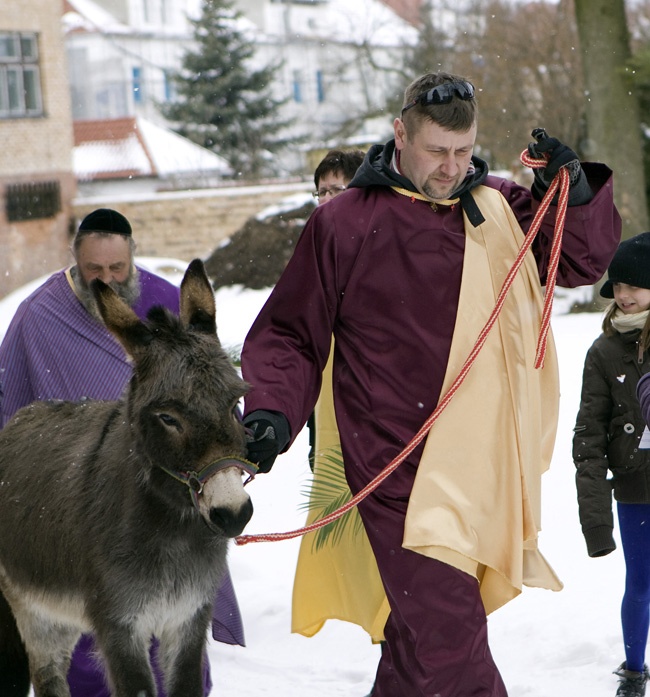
(181,656)
(49,680)
(49,646)
(126,655)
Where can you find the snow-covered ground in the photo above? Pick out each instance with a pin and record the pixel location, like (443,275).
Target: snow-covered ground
(545,643)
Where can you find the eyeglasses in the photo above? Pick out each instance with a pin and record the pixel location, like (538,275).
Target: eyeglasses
(443,94)
(333,190)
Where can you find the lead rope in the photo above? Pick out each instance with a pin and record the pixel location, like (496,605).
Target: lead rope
(562,182)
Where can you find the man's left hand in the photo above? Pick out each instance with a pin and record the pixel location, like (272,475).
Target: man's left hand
(558,155)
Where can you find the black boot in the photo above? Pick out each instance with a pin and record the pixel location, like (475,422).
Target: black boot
(631,683)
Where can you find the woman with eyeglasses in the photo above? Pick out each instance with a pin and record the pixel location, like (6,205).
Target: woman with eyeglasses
(335,172)
(404,269)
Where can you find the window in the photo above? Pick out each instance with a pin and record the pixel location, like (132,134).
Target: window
(136,75)
(169,86)
(320,87)
(297,86)
(33,200)
(20,76)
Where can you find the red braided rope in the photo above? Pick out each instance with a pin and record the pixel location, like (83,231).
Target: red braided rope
(561,181)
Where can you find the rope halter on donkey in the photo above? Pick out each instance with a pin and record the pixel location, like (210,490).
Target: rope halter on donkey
(195,480)
(561,182)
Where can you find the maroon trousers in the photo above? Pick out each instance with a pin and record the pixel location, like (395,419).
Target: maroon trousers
(436,634)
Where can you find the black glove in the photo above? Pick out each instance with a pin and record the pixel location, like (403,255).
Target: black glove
(559,155)
(267,435)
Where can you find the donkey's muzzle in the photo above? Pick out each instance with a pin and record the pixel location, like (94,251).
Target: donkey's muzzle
(230,522)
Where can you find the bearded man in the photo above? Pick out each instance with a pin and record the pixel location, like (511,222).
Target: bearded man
(57,347)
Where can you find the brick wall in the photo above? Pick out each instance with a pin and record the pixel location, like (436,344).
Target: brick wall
(33,248)
(37,149)
(39,144)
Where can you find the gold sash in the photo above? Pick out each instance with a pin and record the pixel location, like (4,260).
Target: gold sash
(476,500)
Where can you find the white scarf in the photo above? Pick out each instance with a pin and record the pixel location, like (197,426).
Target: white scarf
(627,323)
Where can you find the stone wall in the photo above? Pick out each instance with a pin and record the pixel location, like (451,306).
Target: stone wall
(189,224)
(181,224)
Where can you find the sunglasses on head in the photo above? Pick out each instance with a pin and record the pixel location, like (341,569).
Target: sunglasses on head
(443,94)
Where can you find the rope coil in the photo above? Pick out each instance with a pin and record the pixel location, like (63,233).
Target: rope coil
(561,182)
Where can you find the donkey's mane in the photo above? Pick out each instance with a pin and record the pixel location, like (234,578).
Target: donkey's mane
(160,317)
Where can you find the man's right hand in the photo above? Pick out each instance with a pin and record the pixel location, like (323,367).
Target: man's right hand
(267,434)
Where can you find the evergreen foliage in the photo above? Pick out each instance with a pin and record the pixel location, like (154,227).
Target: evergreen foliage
(327,493)
(222,103)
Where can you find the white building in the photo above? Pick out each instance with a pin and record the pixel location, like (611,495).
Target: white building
(339,56)
(336,56)
(121,51)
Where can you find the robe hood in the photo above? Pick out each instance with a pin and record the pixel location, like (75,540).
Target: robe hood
(376,170)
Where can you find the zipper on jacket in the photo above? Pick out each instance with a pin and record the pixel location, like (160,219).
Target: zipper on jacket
(639,352)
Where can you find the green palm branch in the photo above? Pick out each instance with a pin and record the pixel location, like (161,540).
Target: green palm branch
(326,493)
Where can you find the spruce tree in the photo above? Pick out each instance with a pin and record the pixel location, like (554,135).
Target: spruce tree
(222,103)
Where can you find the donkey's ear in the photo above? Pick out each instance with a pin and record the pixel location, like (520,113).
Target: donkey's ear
(119,318)
(198,309)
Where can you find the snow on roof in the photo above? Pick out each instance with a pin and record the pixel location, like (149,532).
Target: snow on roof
(86,15)
(406,9)
(368,21)
(380,22)
(133,146)
(111,148)
(344,22)
(172,153)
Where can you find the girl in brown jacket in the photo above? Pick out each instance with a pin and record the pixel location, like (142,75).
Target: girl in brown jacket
(607,440)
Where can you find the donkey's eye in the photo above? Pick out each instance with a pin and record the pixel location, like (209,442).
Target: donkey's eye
(170,421)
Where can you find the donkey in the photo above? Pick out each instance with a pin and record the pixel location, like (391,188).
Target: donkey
(115,516)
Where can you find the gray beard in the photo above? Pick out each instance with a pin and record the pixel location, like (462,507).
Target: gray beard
(128,290)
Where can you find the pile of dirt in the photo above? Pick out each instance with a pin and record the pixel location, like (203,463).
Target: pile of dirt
(256,254)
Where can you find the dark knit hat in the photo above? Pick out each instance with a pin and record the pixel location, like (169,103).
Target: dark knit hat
(106,220)
(630,265)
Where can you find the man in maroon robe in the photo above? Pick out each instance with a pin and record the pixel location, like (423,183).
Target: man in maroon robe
(56,347)
(380,267)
